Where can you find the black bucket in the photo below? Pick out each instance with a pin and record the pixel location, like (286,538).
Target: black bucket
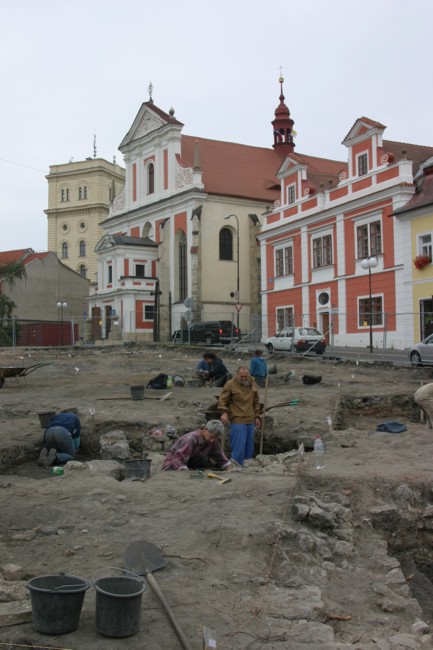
(137,392)
(45,418)
(118,604)
(56,602)
(138,467)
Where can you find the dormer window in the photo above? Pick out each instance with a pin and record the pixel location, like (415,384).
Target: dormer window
(362,163)
(291,194)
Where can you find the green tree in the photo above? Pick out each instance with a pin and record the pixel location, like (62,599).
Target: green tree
(9,274)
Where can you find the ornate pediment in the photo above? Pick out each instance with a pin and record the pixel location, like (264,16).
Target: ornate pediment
(149,118)
(105,243)
(147,123)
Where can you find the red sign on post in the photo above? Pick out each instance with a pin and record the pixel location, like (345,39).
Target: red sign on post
(238,307)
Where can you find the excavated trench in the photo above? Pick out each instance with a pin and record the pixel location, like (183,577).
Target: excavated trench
(405,522)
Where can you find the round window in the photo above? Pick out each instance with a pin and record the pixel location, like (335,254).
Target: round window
(65,227)
(323,298)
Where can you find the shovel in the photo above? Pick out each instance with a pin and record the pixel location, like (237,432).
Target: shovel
(143,558)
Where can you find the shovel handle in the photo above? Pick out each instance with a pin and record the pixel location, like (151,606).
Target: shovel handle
(182,638)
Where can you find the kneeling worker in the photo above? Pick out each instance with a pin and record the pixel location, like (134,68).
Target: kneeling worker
(61,439)
(199,449)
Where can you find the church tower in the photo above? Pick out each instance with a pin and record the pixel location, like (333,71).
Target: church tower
(283,125)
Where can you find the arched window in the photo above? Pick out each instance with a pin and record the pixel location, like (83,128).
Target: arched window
(65,250)
(82,248)
(150,179)
(183,270)
(83,271)
(147,230)
(226,244)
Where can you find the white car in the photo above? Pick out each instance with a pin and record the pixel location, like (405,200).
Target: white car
(297,339)
(422,353)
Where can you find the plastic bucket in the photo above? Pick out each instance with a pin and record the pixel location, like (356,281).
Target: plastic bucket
(137,392)
(45,418)
(118,604)
(178,380)
(56,602)
(139,467)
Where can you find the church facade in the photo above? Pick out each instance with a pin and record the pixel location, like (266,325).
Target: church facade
(265,237)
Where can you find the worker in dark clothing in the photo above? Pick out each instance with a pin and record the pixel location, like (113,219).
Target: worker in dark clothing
(61,440)
(218,372)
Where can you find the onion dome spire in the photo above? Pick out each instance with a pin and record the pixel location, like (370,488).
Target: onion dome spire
(283,125)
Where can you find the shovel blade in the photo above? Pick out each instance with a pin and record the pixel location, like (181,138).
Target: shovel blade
(142,557)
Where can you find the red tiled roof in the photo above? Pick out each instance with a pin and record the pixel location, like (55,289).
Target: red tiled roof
(366,120)
(416,152)
(6,257)
(245,171)
(423,195)
(37,256)
(233,169)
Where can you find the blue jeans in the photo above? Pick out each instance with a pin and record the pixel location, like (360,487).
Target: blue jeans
(242,441)
(60,439)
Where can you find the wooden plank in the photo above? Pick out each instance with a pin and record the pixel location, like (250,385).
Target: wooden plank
(161,398)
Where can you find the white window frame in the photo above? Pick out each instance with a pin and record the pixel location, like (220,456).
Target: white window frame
(152,306)
(286,267)
(368,223)
(424,247)
(321,236)
(374,296)
(291,194)
(288,317)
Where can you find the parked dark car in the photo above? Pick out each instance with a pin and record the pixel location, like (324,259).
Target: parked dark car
(208,332)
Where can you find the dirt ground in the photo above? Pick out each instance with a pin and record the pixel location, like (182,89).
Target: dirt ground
(240,558)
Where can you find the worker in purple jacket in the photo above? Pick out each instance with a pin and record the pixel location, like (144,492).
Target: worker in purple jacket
(199,449)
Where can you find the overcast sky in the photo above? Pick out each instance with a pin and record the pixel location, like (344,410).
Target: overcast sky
(74,68)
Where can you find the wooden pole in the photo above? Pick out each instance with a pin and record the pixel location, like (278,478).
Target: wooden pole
(262,430)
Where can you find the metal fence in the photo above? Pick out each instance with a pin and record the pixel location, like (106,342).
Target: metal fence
(16,332)
(394,331)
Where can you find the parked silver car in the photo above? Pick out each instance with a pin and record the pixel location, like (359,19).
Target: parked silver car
(297,339)
(422,353)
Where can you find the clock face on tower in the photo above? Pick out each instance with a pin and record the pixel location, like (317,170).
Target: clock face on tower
(323,298)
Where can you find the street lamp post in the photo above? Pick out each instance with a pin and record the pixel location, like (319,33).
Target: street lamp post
(61,304)
(370,263)
(237,267)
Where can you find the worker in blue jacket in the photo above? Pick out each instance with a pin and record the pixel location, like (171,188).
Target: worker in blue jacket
(258,368)
(61,440)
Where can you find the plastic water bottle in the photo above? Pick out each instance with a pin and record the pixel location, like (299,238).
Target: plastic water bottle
(319,452)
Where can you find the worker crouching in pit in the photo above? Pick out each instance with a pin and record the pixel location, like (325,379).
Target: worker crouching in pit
(61,440)
(199,449)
